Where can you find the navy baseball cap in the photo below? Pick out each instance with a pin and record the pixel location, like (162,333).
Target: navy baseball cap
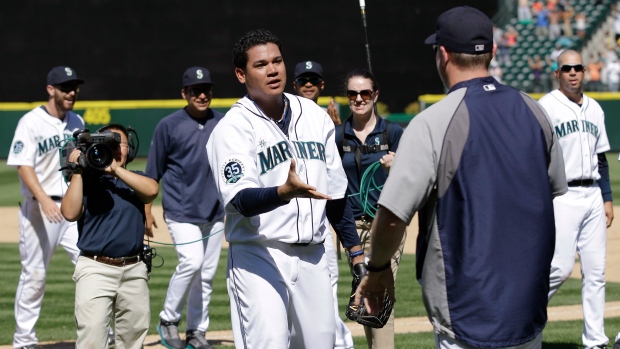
(463,29)
(62,74)
(309,68)
(196,76)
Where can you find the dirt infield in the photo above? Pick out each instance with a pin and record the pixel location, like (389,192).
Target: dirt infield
(9,233)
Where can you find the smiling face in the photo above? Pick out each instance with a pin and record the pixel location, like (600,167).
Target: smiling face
(64,96)
(265,74)
(309,86)
(571,80)
(198,98)
(357,89)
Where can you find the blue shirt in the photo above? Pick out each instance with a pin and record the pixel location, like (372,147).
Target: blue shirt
(350,167)
(113,221)
(178,157)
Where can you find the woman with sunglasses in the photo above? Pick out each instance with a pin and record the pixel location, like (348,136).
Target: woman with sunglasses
(366,140)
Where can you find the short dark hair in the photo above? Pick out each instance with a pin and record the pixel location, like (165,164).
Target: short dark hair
(250,39)
(363,73)
(469,61)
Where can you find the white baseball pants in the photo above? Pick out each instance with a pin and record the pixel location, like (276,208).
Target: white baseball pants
(580,225)
(193,277)
(37,244)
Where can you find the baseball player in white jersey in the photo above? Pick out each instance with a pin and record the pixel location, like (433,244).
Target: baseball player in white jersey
(35,152)
(583,214)
(273,156)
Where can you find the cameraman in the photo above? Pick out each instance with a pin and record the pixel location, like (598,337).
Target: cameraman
(109,208)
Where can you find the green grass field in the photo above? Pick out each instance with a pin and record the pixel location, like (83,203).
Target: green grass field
(56,322)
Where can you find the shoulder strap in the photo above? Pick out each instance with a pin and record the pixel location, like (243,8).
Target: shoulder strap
(386,135)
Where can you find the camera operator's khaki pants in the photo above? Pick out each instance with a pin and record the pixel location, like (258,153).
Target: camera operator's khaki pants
(104,292)
(381,338)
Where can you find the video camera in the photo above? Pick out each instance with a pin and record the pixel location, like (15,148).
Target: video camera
(97,149)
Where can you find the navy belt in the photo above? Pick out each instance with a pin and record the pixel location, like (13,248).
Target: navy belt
(581,183)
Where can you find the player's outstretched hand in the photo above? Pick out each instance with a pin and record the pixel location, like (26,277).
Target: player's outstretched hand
(333,112)
(372,290)
(295,188)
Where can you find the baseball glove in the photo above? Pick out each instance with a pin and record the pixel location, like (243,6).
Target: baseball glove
(359,313)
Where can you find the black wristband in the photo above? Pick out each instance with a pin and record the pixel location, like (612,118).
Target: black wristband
(378,269)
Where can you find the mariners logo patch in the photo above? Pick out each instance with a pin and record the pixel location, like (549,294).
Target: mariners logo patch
(233,171)
(18,147)
(199,74)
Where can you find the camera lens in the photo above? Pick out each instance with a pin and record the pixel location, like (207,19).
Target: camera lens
(99,156)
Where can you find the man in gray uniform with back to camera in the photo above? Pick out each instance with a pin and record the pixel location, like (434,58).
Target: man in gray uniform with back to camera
(178,158)
(454,164)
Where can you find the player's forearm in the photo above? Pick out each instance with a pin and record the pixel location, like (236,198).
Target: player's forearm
(254,201)
(30,180)
(340,216)
(385,237)
(72,204)
(603,182)
(145,188)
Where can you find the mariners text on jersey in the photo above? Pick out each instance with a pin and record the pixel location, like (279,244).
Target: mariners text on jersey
(50,144)
(279,153)
(571,126)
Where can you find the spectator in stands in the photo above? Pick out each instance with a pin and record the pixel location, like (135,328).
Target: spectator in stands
(553,59)
(594,70)
(523,12)
(540,80)
(612,69)
(567,16)
(503,51)
(554,24)
(616,14)
(542,24)
(580,24)
(537,6)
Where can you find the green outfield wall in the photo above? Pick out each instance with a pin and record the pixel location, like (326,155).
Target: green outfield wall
(141,115)
(145,114)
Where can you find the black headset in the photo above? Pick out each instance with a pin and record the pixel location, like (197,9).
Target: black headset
(132,139)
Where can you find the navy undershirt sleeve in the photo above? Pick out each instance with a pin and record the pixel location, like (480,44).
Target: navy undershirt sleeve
(603,182)
(340,216)
(254,201)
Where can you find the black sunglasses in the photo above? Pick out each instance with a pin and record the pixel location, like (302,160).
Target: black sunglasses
(197,91)
(365,94)
(67,88)
(314,80)
(567,68)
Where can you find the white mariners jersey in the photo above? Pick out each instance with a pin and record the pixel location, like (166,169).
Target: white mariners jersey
(580,131)
(248,150)
(36,143)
